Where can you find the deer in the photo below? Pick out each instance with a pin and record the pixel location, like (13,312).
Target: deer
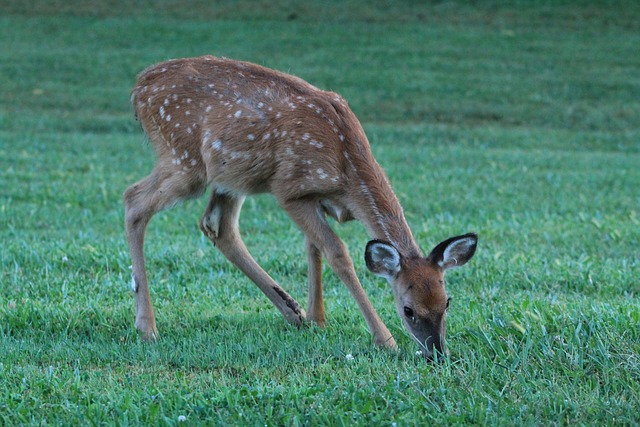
(240,129)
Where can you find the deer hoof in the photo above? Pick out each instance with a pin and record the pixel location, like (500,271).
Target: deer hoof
(297,317)
(386,342)
(321,323)
(148,331)
(150,336)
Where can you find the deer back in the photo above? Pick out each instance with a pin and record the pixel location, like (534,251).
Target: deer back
(248,128)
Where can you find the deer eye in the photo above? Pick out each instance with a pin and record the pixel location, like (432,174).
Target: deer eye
(408,311)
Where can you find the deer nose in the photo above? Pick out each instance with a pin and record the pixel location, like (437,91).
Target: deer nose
(436,349)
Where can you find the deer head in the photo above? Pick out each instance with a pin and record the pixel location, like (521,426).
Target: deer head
(419,286)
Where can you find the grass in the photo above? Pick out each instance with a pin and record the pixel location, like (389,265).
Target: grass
(516,121)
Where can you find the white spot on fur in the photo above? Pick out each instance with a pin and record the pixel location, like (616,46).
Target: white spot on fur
(216,145)
(322,174)
(235,155)
(209,108)
(134,285)
(316,144)
(305,137)
(162,112)
(251,137)
(238,114)
(206,136)
(168,117)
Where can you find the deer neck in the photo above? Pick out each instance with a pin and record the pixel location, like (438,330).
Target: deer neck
(374,203)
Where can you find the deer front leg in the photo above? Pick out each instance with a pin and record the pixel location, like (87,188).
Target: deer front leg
(220,224)
(308,215)
(315,306)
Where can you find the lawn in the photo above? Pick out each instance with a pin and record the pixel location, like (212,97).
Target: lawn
(518,122)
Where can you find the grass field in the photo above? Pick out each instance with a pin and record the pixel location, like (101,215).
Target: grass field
(519,122)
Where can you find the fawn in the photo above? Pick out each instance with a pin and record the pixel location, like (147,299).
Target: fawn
(243,129)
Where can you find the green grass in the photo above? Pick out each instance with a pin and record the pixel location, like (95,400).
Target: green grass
(519,122)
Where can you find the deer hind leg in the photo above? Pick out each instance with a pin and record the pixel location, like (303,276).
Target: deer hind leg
(220,224)
(315,306)
(309,217)
(141,201)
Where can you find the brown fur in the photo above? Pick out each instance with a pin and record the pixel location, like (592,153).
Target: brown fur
(244,129)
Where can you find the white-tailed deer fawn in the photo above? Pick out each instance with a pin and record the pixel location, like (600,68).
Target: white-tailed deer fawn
(244,129)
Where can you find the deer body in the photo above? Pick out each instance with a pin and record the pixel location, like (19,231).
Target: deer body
(244,129)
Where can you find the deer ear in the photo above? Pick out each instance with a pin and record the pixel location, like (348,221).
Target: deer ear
(382,258)
(454,252)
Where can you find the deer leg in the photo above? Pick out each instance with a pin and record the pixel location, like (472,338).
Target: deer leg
(308,215)
(315,306)
(220,224)
(138,211)
(141,201)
